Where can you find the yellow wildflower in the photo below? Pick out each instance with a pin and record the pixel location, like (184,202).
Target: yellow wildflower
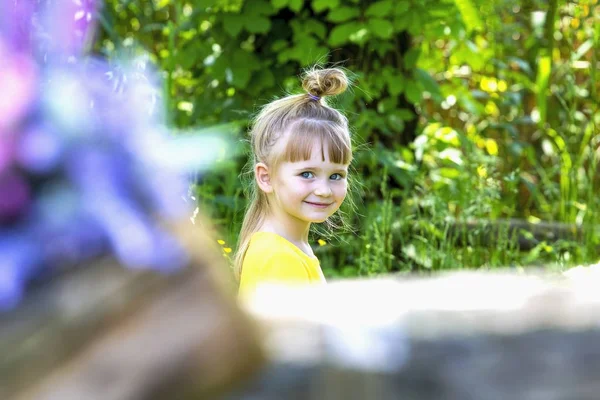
(321,242)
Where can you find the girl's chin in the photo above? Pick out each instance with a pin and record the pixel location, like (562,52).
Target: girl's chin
(318,220)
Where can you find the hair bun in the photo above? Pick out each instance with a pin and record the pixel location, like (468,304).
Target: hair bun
(325,82)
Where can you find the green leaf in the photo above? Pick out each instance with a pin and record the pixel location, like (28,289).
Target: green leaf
(264,78)
(406,114)
(279,3)
(162,3)
(316,27)
(402,7)
(401,22)
(379,9)
(305,46)
(257,24)
(279,45)
(412,92)
(260,7)
(469,14)
(238,75)
(415,24)
(411,57)
(381,28)
(470,105)
(219,66)
(429,84)
(343,14)
(189,57)
(286,55)
(450,173)
(296,5)
(387,104)
(233,24)
(395,123)
(382,47)
(395,85)
(246,60)
(341,33)
(322,5)
(541,86)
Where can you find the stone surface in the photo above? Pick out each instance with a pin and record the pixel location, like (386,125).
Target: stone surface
(459,336)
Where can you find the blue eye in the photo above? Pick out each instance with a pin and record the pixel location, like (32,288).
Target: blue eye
(337,177)
(306,175)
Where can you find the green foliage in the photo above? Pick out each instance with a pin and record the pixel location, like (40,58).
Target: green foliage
(469,14)
(465,109)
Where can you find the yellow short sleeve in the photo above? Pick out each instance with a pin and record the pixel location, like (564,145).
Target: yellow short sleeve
(284,267)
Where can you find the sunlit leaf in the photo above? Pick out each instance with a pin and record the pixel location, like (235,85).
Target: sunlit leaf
(470,15)
(541,83)
(450,173)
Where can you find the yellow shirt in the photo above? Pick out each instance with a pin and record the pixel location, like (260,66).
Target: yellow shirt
(272,258)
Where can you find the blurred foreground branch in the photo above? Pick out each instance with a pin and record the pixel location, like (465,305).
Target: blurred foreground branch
(105,332)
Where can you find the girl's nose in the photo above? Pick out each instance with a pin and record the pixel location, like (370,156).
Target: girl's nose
(323,190)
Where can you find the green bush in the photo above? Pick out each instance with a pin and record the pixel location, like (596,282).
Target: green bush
(462,110)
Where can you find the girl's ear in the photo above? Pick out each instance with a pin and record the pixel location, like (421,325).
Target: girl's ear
(263,179)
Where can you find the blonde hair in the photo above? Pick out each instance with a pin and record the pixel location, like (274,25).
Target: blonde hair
(302,119)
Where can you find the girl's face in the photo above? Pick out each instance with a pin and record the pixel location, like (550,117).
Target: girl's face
(310,190)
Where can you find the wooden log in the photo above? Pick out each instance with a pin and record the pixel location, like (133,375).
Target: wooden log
(104,332)
(456,336)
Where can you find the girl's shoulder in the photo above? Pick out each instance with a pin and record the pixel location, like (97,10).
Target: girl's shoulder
(269,244)
(271,257)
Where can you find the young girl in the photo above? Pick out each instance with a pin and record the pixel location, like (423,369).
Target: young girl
(301,151)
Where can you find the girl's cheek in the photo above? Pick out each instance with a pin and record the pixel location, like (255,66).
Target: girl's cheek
(341,194)
(303,186)
(344,187)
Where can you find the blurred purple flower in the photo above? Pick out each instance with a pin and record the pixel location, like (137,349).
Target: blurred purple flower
(86,162)
(6,151)
(15,196)
(18,258)
(15,25)
(39,149)
(18,80)
(70,24)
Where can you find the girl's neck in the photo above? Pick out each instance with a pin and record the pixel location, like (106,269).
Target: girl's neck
(295,232)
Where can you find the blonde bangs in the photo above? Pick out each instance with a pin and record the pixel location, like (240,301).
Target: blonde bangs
(302,135)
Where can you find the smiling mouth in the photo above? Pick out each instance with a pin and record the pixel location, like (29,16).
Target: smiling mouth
(321,205)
